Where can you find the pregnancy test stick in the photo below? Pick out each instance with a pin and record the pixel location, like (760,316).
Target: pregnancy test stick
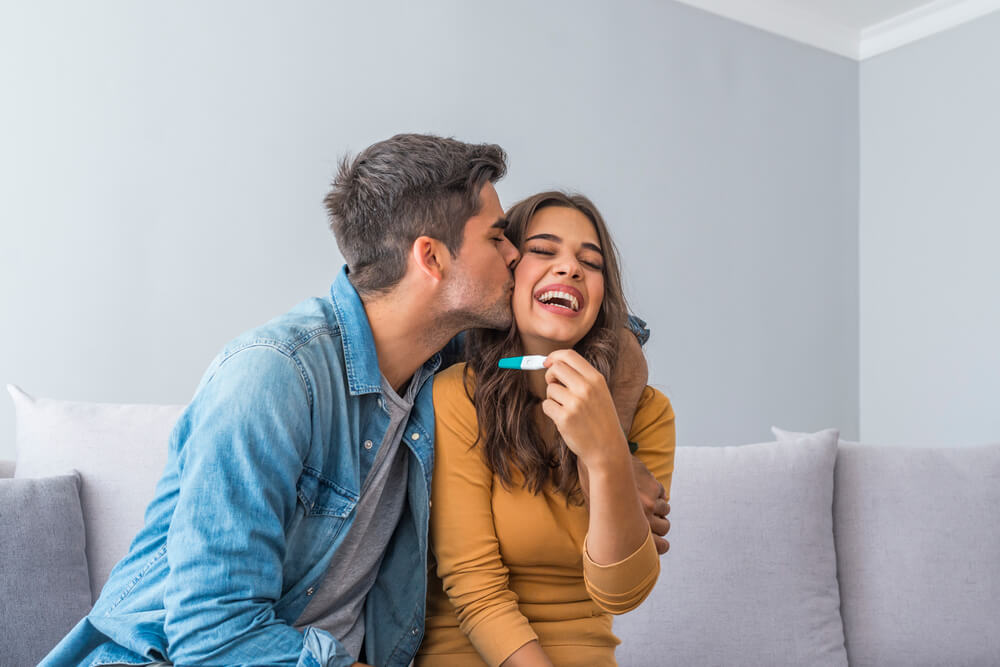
(531,362)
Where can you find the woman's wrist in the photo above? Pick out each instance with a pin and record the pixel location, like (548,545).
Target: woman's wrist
(613,457)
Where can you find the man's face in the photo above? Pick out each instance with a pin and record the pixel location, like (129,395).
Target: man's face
(482,279)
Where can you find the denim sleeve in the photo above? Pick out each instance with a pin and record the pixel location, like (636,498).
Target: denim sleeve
(639,327)
(241,447)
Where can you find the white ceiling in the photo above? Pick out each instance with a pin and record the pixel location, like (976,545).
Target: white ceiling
(857,29)
(854,14)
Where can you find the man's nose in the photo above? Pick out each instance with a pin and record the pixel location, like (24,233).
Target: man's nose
(513,255)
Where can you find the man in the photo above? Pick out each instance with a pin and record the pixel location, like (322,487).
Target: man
(290,524)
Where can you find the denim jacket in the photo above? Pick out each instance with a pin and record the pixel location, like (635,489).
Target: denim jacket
(263,472)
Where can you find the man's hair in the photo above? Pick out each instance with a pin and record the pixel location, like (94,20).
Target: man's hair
(402,188)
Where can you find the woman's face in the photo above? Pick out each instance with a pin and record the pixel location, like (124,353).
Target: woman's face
(559,282)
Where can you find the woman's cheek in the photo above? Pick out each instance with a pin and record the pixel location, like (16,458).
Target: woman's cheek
(597,299)
(521,302)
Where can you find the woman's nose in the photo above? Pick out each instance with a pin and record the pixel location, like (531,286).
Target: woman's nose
(570,269)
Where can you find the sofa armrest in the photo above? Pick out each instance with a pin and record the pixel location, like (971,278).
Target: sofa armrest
(6,469)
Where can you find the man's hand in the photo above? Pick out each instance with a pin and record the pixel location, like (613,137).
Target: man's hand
(654,504)
(629,377)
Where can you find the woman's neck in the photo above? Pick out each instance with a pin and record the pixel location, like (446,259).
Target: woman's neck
(540,347)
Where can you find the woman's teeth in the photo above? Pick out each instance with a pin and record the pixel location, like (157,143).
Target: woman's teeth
(553,298)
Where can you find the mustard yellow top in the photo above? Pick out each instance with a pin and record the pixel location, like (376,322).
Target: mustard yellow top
(511,566)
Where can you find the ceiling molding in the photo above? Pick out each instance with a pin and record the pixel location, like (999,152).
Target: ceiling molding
(925,21)
(781,18)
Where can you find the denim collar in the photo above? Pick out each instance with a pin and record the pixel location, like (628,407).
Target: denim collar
(363,373)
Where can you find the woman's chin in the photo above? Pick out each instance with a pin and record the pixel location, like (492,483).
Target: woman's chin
(550,340)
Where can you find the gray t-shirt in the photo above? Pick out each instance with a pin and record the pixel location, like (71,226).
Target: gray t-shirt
(338,604)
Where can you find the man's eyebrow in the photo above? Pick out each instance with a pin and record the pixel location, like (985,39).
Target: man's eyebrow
(553,237)
(501,223)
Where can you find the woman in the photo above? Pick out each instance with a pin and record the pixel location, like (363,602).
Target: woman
(536,526)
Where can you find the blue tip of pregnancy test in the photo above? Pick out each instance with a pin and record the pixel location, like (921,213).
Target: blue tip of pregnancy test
(510,362)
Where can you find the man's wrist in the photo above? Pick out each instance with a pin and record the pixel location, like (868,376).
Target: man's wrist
(638,327)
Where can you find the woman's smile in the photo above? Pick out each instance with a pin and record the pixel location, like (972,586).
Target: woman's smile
(559,282)
(563,300)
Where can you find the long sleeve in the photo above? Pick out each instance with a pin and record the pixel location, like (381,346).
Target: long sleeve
(241,445)
(622,586)
(462,536)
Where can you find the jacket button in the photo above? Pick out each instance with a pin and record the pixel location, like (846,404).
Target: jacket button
(414,632)
(368,444)
(310,590)
(415,436)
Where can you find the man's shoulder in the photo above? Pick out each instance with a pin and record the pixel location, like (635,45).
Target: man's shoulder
(311,322)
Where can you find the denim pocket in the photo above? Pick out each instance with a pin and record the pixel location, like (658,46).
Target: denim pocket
(324,510)
(324,497)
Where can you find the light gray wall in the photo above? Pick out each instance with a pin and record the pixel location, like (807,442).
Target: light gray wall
(163,166)
(930,240)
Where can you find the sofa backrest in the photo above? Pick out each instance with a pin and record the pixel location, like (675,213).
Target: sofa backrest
(751,575)
(118,450)
(918,554)
(915,534)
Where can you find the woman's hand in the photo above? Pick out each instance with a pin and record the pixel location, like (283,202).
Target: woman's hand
(529,655)
(579,403)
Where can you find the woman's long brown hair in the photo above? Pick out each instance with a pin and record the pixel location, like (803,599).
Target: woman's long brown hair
(505,407)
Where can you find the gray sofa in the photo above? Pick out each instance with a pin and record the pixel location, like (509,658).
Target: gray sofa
(801,551)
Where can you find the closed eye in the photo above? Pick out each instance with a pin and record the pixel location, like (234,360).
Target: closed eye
(541,251)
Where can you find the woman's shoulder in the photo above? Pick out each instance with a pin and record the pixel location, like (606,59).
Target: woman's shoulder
(654,410)
(450,384)
(653,401)
(653,431)
(454,410)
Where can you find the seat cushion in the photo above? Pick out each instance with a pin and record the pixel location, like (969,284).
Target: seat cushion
(751,576)
(44,587)
(120,452)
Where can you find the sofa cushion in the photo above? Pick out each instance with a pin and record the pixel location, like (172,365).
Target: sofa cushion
(120,452)
(750,578)
(44,588)
(918,550)
(791,436)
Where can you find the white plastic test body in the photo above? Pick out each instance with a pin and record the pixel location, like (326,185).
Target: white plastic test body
(531,362)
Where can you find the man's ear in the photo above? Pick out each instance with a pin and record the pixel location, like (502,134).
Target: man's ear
(431,257)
